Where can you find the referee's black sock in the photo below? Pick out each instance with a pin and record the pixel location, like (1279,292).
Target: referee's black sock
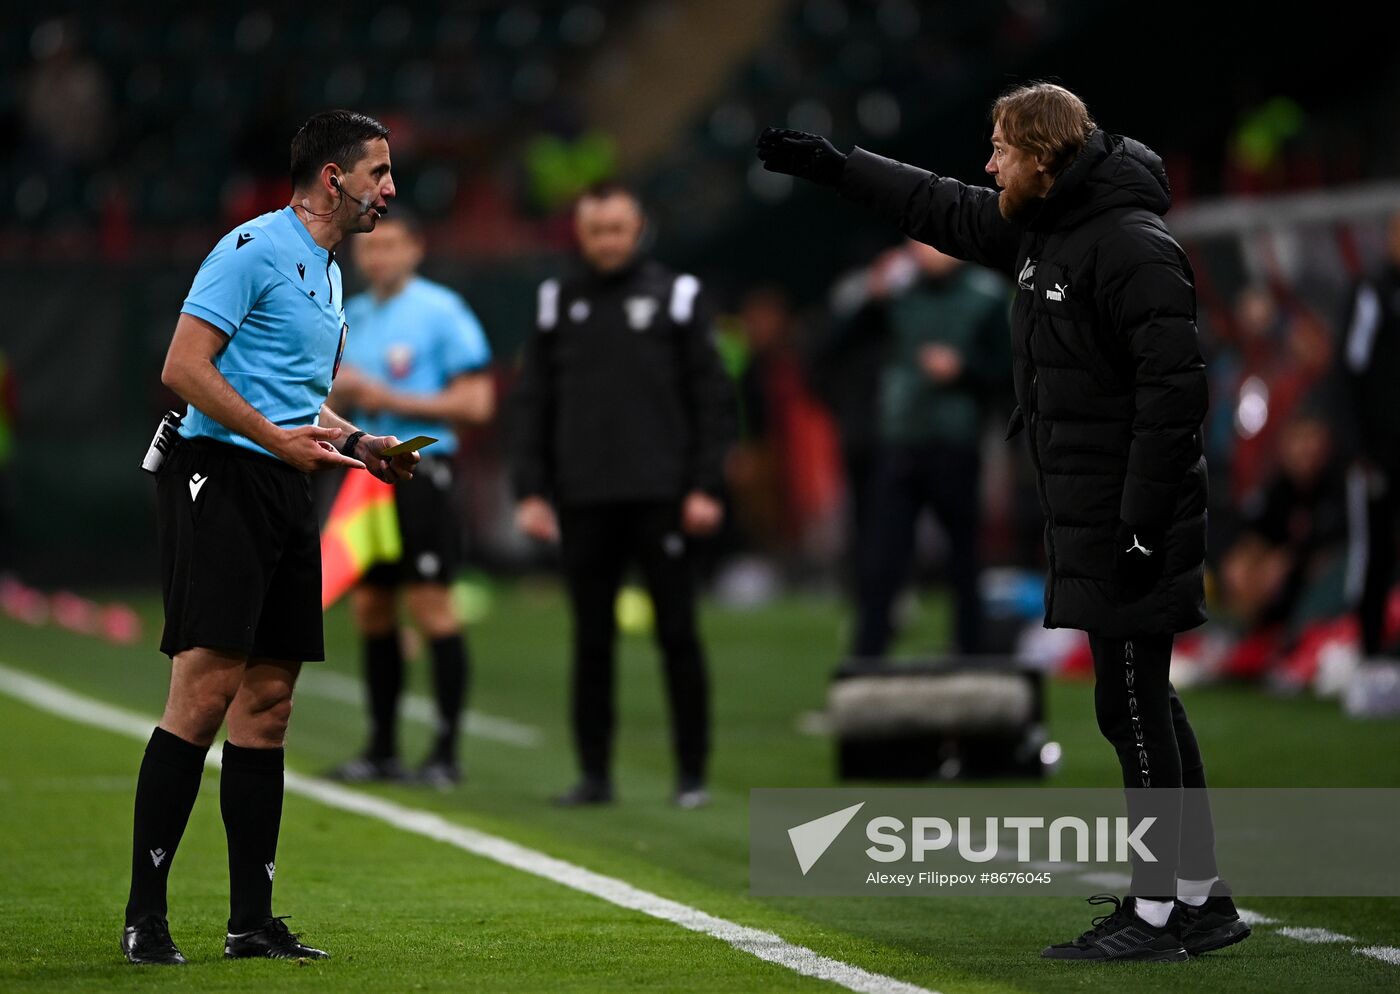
(165,791)
(451,672)
(250,794)
(384,678)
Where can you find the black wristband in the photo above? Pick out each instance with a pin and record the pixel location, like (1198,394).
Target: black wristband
(349,448)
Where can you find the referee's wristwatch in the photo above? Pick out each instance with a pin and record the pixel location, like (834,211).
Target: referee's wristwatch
(349,448)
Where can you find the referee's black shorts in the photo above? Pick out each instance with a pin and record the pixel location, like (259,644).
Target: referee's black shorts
(240,554)
(428,529)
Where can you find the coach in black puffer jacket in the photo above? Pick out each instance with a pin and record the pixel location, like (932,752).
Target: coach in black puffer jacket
(1112,391)
(1109,377)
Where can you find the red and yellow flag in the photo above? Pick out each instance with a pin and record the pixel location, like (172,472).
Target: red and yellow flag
(361,530)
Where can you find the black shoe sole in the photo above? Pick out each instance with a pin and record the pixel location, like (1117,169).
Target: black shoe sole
(153,962)
(1179,955)
(1166,956)
(261,955)
(1218,938)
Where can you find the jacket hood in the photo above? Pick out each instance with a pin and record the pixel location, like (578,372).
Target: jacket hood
(1110,171)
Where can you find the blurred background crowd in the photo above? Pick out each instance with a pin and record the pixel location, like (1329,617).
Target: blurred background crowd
(871,374)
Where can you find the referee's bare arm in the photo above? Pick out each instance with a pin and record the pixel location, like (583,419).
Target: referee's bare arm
(369,447)
(191,373)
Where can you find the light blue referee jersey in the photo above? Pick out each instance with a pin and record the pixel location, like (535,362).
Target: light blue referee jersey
(277,295)
(416,341)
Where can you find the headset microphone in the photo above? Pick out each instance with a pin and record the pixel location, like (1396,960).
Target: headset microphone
(364,201)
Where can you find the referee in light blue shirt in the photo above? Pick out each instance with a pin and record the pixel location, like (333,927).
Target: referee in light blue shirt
(415,364)
(254,351)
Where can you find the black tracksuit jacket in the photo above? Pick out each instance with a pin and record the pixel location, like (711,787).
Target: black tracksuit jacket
(622,395)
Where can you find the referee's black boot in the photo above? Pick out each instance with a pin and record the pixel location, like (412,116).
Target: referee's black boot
(273,940)
(148,941)
(1213,925)
(588,791)
(1122,935)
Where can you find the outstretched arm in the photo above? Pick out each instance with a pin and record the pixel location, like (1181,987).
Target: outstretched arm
(961,220)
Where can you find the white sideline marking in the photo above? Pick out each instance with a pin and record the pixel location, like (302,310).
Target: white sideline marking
(1386,954)
(1254,918)
(767,946)
(1315,935)
(333,686)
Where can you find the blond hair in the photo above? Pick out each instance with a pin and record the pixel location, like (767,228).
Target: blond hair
(1046,120)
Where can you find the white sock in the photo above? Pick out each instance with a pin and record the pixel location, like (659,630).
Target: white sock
(1194,892)
(1155,913)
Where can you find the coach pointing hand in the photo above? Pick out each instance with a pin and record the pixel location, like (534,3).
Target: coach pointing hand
(798,153)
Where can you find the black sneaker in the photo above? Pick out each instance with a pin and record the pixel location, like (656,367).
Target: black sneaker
(587,791)
(439,774)
(1213,925)
(148,941)
(369,769)
(1122,935)
(272,941)
(691,794)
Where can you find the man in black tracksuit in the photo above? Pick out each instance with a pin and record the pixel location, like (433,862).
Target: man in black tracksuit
(1372,364)
(624,417)
(1112,391)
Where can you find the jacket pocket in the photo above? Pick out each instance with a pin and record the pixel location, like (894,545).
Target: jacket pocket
(1017,422)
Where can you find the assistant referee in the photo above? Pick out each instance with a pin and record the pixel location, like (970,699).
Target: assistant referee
(417,364)
(254,351)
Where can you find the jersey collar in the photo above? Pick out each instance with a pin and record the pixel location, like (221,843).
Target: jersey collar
(290,214)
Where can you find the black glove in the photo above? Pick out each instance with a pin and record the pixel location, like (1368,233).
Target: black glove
(1137,561)
(798,153)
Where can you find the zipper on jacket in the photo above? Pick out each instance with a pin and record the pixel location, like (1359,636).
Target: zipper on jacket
(1040,485)
(1037,252)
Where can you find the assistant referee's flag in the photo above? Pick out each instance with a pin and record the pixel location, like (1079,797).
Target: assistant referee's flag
(362,529)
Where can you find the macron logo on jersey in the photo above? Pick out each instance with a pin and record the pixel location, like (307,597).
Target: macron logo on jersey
(243,239)
(197,483)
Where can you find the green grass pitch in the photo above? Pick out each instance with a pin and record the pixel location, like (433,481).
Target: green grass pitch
(401,912)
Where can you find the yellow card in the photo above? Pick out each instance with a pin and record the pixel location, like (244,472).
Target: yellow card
(412,445)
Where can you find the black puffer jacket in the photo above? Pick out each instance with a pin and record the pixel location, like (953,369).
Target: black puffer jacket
(1109,376)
